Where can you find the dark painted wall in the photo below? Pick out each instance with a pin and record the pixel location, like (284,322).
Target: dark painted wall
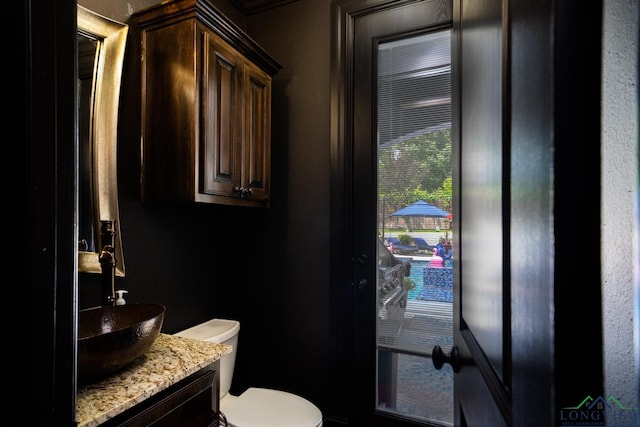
(268,268)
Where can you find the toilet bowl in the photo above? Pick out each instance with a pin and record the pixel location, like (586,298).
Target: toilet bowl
(256,407)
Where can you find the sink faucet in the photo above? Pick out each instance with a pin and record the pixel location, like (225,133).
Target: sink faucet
(108,262)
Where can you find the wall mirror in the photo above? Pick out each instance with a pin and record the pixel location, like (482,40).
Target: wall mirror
(101,47)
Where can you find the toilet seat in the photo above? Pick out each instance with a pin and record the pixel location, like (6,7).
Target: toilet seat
(261,407)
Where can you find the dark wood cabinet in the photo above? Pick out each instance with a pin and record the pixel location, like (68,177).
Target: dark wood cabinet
(192,402)
(206,107)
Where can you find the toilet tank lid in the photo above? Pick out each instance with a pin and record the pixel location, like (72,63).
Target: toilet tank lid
(214,330)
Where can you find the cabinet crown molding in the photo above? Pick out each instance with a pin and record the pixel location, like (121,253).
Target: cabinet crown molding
(178,10)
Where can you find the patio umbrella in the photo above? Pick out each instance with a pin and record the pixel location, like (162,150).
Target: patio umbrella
(421,208)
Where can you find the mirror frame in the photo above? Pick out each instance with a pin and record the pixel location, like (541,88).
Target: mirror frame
(111,37)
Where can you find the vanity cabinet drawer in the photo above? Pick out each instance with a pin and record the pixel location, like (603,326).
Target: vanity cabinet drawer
(192,402)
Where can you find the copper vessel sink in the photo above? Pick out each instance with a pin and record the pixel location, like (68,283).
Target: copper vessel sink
(112,337)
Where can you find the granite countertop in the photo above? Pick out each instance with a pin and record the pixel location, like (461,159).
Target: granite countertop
(169,360)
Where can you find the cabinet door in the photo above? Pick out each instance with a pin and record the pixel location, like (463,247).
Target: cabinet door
(194,402)
(257,128)
(221,117)
(169,99)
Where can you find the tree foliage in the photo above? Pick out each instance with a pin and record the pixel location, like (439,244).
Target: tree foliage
(415,169)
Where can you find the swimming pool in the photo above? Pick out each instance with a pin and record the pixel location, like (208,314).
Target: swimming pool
(429,292)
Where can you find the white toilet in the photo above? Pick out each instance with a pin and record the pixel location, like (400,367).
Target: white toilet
(256,407)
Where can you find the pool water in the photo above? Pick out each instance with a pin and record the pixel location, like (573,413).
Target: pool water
(430,293)
(417,276)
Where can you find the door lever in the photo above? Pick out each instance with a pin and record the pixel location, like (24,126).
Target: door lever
(362,259)
(439,358)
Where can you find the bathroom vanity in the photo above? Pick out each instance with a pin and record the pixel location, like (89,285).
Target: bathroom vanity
(175,383)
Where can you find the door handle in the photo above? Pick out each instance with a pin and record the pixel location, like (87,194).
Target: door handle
(362,284)
(362,259)
(439,358)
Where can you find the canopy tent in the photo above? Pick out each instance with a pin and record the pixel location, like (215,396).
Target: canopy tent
(422,208)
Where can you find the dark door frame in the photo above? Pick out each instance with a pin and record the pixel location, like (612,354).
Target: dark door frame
(46,341)
(349,291)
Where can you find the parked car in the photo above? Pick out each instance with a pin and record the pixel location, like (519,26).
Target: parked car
(397,247)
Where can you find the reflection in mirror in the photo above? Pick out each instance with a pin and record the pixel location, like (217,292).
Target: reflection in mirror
(87,48)
(101,46)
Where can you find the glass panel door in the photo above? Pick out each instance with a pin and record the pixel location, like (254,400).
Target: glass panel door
(415,242)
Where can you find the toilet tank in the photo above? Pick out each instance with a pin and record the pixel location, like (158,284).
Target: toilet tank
(220,331)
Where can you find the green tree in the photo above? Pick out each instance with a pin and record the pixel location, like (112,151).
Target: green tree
(418,168)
